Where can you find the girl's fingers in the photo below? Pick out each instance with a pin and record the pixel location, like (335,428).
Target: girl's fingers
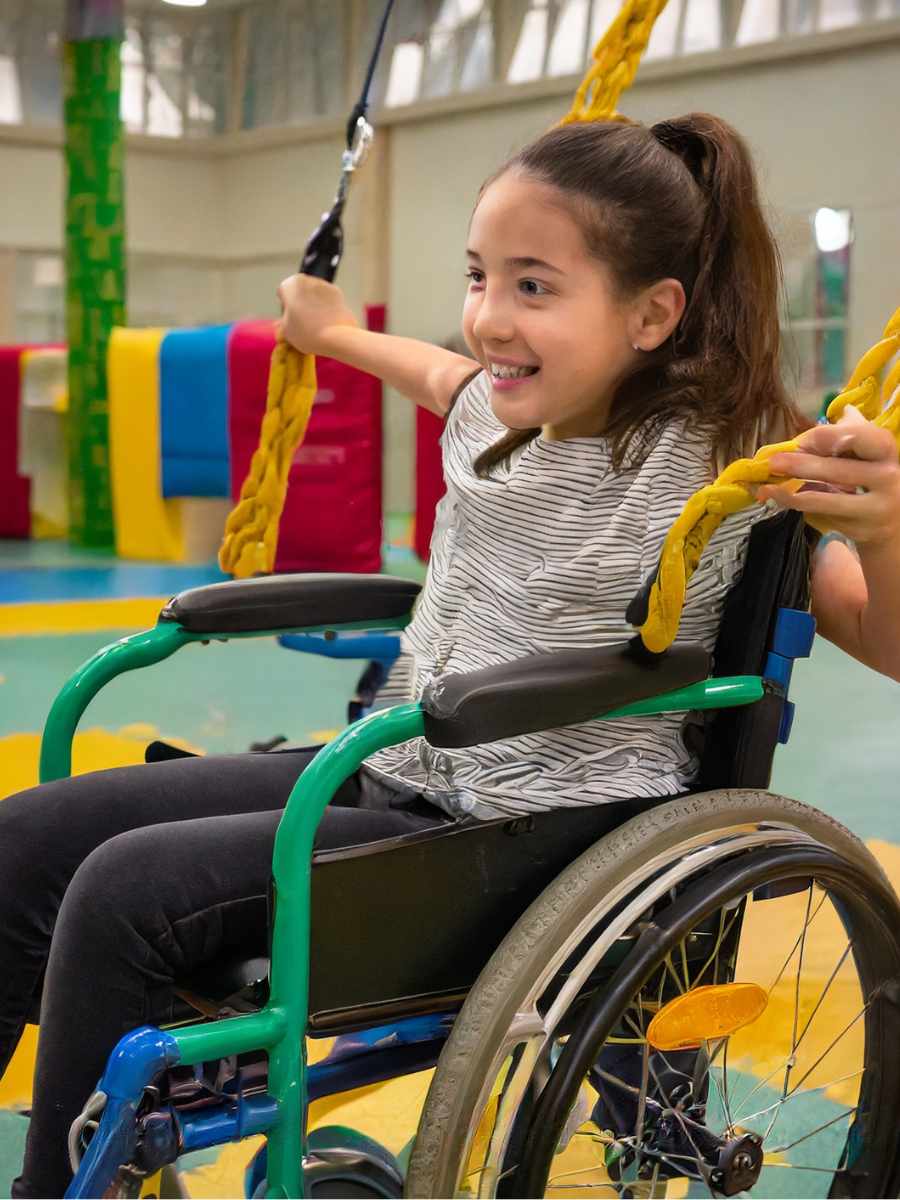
(843,472)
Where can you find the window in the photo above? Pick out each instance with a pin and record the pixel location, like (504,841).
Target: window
(295,62)
(816,253)
(433,48)
(173,74)
(30,75)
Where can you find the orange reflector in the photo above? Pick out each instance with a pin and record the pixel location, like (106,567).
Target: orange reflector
(705,1014)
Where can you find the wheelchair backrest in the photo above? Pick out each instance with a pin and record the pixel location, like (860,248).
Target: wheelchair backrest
(739,743)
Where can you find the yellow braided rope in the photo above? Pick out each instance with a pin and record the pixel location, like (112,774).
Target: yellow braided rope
(251,531)
(614,62)
(877,400)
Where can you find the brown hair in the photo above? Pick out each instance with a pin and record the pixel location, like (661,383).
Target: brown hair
(678,200)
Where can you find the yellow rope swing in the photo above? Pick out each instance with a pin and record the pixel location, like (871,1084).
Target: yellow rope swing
(874,389)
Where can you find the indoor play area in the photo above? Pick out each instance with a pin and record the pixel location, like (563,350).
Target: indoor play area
(449,598)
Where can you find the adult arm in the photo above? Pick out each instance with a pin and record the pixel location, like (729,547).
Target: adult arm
(855,597)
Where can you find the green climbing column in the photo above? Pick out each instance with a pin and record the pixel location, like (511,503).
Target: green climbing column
(95,261)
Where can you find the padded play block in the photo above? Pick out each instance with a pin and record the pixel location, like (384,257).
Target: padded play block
(429,478)
(193,372)
(147,525)
(332,514)
(15,519)
(42,438)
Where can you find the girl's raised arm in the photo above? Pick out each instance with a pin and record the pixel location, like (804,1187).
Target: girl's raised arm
(316,320)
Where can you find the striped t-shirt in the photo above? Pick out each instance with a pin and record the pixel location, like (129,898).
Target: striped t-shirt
(545,555)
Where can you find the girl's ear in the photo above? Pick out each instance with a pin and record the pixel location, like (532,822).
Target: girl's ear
(656,314)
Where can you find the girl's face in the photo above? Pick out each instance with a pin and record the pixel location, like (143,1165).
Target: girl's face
(541,314)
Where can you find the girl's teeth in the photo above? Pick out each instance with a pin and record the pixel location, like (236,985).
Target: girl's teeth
(511,372)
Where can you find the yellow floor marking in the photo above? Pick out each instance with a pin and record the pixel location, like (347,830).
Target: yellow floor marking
(225,1176)
(92,750)
(79,616)
(321,736)
(15,1086)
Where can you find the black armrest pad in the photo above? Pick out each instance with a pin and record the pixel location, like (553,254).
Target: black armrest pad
(547,691)
(279,602)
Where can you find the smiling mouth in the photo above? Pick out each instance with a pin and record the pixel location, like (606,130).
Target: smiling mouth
(508,373)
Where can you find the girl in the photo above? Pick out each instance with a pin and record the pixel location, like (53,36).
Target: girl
(622,318)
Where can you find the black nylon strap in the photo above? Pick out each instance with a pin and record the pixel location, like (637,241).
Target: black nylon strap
(324,250)
(362,105)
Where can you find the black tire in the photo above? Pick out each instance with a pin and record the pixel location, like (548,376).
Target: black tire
(618,865)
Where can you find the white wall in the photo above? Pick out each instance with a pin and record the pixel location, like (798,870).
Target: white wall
(172,200)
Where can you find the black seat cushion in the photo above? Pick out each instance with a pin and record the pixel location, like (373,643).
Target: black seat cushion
(545,691)
(282,602)
(403,926)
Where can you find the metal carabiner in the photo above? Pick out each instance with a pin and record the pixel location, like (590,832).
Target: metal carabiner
(358,151)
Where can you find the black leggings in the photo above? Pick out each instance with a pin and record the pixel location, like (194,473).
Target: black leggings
(118,883)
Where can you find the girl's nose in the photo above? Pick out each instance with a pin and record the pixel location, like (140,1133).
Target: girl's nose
(493,321)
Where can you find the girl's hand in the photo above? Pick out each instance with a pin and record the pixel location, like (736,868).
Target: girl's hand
(854,471)
(310,309)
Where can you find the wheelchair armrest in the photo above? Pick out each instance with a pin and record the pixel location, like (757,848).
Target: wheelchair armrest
(276,602)
(546,691)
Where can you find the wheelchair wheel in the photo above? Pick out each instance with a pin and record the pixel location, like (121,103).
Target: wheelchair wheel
(706,1003)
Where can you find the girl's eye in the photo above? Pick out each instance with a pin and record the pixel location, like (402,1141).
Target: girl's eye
(475,276)
(531,287)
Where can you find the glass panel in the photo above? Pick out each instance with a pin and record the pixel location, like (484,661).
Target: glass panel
(800,16)
(758,23)
(209,66)
(816,253)
(528,59)
(439,76)
(405,75)
(165,73)
(132,100)
(295,62)
(663,39)
(835,14)
(10,94)
(477,54)
(567,48)
(702,26)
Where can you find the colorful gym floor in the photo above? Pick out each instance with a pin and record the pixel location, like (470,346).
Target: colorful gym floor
(57,606)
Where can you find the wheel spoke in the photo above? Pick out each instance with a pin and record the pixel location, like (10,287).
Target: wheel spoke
(827,1051)
(789,1166)
(791,1059)
(720,938)
(812,1132)
(793,950)
(761,1112)
(762,1082)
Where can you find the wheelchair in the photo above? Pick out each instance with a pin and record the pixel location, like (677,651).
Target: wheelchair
(685,996)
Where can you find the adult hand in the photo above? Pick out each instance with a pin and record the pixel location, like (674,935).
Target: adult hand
(312,307)
(853,475)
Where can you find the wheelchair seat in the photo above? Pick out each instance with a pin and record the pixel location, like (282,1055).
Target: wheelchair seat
(402,927)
